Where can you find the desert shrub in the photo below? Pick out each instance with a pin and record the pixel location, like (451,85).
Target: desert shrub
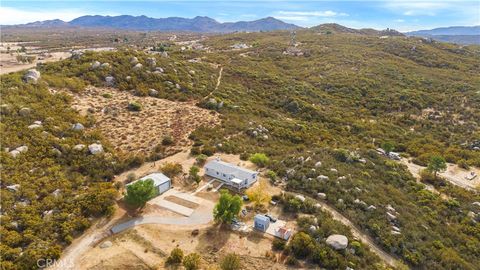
(193,174)
(134,106)
(301,245)
(171,169)
(107,95)
(131,177)
(191,261)
(230,262)
(291,260)
(462,163)
(341,155)
(194,151)
(201,159)
(278,244)
(176,256)
(259,159)
(167,140)
(271,175)
(208,150)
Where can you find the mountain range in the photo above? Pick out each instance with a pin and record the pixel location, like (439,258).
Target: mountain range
(453,34)
(144,23)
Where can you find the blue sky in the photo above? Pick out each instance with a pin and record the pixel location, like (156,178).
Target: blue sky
(403,15)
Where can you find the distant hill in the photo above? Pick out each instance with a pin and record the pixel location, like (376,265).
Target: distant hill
(144,23)
(453,34)
(337,28)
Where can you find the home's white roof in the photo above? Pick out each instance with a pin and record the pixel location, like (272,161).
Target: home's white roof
(236,181)
(158,179)
(227,168)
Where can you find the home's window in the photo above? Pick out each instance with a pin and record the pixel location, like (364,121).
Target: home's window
(217,173)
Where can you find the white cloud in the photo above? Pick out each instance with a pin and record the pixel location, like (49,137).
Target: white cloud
(400,20)
(10,15)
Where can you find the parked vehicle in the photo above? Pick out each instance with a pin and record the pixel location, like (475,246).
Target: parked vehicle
(272,219)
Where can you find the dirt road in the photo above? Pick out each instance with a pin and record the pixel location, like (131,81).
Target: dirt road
(219,80)
(452,174)
(389,259)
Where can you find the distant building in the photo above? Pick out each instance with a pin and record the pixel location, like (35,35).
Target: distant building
(261,222)
(231,174)
(160,181)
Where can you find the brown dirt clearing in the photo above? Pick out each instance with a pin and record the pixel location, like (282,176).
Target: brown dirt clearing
(143,131)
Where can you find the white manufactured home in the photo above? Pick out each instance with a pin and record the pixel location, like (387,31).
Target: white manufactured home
(160,181)
(231,174)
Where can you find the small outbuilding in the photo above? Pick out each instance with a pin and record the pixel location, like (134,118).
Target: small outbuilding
(160,181)
(261,222)
(283,233)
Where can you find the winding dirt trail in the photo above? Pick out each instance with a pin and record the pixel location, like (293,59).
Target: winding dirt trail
(386,257)
(219,80)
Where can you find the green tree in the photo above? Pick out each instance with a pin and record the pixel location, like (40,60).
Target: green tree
(191,261)
(259,159)
(176,256)
(436,164)
(231,262)
(140,192)
(388,147)
(193,174)
(302,245)
(227,208)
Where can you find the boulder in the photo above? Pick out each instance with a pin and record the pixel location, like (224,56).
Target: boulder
(133,60)
(390,209)
(321,195)
(56,152)
(159,69)
(25,111)
(128,78)
(78,127)
(476,204)
(137,66)
(95,65)
(106,244)
(5,109)
(14,187)
(32,76)
(95,148)
(391,216)
(79,147)
(34,126)
(105,65)
(153,92)
(300,197)
(318,164)
(334,170)
(109,81)
(76,54)
(152,62)
(322,177)
(18,150)
(371,208)
(337,241)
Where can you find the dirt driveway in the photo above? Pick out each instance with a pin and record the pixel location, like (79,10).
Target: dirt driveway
(454,174)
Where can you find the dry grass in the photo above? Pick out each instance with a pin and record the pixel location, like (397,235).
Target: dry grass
(143,131)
